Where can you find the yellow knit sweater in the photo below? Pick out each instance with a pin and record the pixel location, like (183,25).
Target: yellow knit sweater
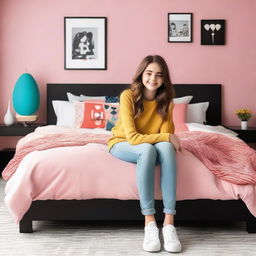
(148,128)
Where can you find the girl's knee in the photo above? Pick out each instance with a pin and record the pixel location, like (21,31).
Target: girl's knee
(148,150)
(165,147)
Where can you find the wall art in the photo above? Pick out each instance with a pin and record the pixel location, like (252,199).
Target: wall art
(212,32)
(85,42)
(179,27)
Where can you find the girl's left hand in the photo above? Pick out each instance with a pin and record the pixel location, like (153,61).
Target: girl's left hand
(175,142)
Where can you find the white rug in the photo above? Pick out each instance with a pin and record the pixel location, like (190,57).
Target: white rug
(83,238)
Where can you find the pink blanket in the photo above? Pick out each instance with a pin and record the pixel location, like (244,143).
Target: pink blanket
(89,171)
(45,140)
(228,158)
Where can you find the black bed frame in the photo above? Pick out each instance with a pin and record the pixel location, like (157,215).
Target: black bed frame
(114,209)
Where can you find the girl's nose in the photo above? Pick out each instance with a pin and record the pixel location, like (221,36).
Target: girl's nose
(153,77)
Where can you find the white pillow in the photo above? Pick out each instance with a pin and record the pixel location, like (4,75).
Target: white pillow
(65,113)
(185,99)
(196,112)
(73,98)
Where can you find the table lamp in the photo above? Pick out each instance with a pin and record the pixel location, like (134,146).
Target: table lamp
(26,99)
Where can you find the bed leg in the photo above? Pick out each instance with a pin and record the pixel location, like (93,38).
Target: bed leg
(251,226)
(26,226)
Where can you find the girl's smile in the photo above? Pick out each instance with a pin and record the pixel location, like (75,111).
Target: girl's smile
(152,83)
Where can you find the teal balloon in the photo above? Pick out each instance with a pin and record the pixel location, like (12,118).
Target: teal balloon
(26,95)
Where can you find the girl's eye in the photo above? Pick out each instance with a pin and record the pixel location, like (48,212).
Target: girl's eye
(149,74)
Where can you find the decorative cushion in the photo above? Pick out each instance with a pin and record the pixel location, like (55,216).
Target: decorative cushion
(112,99)
(96,114)
(179,117)
(111,112)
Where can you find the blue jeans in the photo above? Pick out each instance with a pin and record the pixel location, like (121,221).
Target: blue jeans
(147,156)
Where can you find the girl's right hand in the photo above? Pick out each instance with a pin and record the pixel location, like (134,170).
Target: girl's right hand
(175,142)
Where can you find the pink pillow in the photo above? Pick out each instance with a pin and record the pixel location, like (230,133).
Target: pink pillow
(179,117)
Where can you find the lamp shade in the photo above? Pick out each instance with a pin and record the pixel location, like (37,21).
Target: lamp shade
(26,96)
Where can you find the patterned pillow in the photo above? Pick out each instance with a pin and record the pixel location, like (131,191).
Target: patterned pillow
(96,114)
(112,99)
(111,113)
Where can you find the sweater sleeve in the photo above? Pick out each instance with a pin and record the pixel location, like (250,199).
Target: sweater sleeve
(168,125)
(131,134)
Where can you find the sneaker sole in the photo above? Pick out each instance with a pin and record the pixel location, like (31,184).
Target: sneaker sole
(155,250)
(178,249)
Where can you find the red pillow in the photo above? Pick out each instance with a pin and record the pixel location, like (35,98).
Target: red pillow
(96,114)
(179,117)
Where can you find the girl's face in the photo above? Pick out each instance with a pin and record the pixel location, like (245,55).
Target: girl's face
(152,77)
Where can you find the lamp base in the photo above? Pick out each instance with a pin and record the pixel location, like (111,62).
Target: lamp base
(26,120)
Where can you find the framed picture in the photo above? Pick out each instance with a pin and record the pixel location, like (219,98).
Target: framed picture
(212,32)
(179,27)
(85,42)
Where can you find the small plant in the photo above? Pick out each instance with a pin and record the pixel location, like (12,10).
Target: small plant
(244,114)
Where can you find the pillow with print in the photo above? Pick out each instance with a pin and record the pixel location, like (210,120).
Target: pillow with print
(112,99)
(111,113)
(96,114)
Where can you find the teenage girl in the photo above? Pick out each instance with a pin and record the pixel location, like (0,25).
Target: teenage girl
(144,134)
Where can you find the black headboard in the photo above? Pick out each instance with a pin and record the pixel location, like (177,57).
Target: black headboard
(201,93)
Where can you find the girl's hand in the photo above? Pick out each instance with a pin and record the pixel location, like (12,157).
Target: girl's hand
(175,142)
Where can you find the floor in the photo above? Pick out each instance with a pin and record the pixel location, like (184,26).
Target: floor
(118,238)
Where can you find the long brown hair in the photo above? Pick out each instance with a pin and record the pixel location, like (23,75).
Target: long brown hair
(164,93)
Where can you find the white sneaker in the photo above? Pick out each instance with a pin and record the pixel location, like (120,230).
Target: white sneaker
(151,241)
(171,240)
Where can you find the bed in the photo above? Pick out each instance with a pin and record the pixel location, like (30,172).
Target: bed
(115,209)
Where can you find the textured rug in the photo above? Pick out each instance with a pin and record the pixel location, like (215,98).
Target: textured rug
(117,238)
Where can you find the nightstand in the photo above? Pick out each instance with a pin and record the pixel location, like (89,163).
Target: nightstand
(248,135)
(16,130)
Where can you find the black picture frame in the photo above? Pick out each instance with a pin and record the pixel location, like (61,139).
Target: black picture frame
(85,43)
(213,32)
(180,27)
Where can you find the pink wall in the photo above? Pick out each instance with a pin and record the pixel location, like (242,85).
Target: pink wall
(31,33)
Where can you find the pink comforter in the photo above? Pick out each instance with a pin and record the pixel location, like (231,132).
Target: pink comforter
(89,171)
(228,158)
